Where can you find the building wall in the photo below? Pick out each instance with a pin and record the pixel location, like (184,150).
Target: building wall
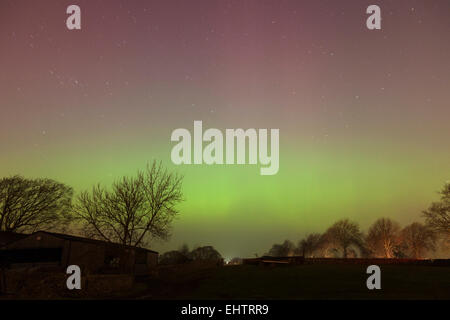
(8,237)
(127,260)
(90,256)
(152,259)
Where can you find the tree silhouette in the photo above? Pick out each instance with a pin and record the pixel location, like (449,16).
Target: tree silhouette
(235,261)
(287,248)
(184,249)
(383,238)
(27,205)
(438,214)
(173,257)
(344,234)
(205,253)
(135,209)
(417,239)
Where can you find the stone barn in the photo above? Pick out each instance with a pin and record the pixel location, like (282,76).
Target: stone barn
(94,256)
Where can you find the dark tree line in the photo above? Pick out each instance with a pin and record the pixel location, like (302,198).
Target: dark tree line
(184,255)
(384,239)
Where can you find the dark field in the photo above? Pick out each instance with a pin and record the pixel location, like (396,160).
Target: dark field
(199,281)
(297,282)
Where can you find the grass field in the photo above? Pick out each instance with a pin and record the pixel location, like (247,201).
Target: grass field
(299,282)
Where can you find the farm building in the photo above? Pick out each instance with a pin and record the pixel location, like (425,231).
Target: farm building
(95,256)
(7,237)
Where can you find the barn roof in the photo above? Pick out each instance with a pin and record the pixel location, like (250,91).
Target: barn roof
(86,240)
(8,237)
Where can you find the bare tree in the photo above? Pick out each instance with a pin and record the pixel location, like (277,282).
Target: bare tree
(344,234)
(27,205)
(287,248)
(438,214)
(417,239)
(310,245)
(325,247)
(184,249)
(173,257)
(135,209)
(383,238)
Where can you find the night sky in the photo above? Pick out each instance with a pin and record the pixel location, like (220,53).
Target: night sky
(363,115)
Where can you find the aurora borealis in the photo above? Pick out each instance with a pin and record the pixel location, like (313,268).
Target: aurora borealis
(363,115)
